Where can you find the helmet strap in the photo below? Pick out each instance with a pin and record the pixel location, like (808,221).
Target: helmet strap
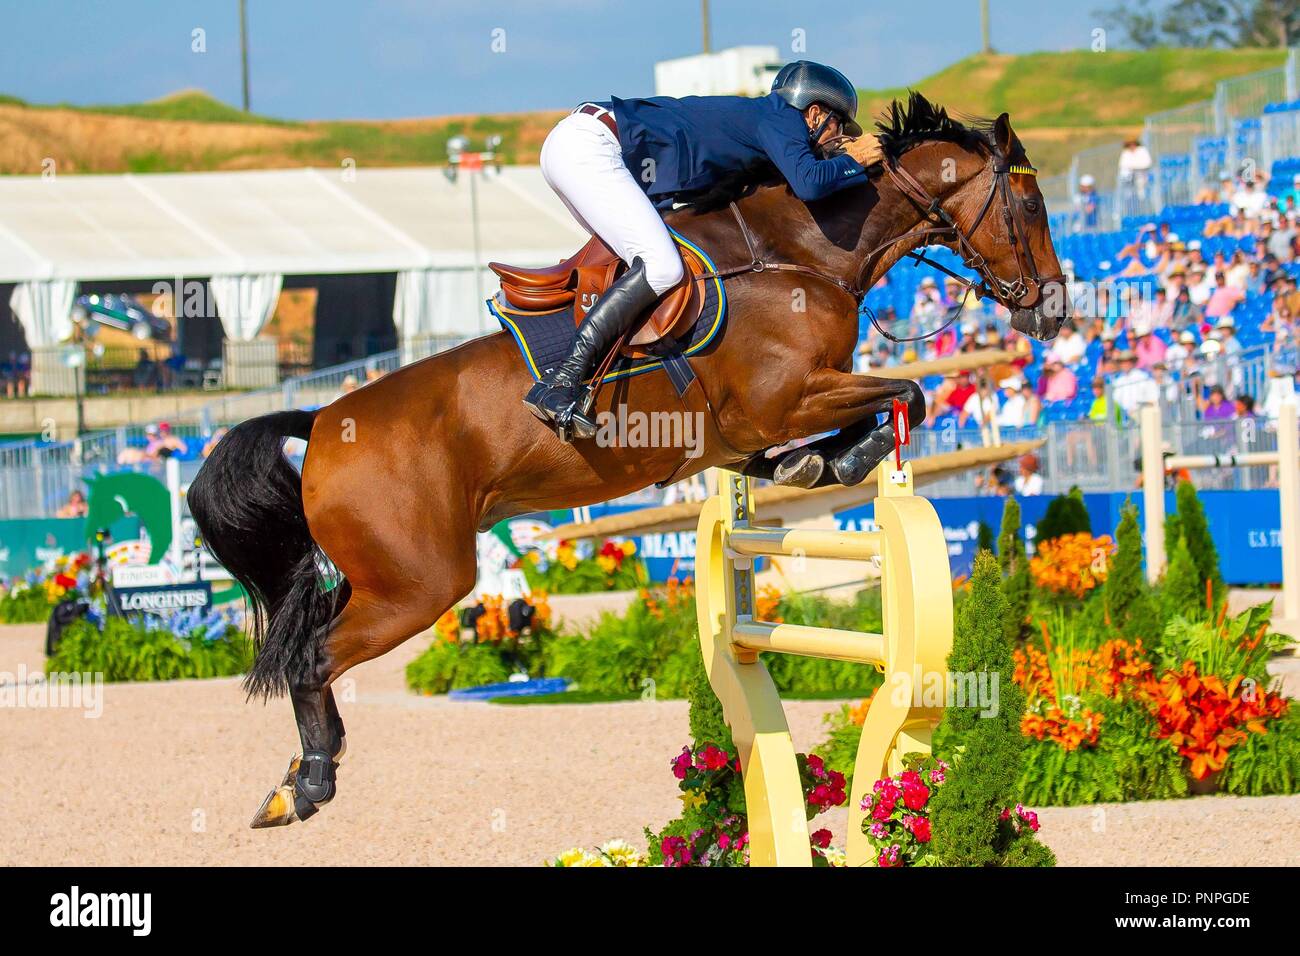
(816,133)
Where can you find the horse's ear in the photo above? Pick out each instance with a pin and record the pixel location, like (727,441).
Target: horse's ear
(1002,134)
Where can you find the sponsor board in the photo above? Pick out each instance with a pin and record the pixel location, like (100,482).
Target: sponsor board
(165,598)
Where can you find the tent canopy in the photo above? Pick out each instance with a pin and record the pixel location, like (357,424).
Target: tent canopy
(298,221)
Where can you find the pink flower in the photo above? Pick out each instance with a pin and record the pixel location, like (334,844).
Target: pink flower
(682,763)
(724,841)
(909,778)
(821,838)
(878,831)
(837,780)
(883,811)
(816,765)
(921,829)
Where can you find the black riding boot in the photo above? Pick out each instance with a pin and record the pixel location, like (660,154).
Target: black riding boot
(556,398)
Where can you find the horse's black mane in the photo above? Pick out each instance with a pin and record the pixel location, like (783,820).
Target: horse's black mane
(917,121)
(900,127)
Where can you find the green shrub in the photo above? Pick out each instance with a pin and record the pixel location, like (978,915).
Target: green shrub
(1266,763)
(25,606)
(448,666)
(1129,603)
(1127,764)
(986,753)
(1066,514)
(1196,530)
(1182,592)
(139,650)
(1017,585)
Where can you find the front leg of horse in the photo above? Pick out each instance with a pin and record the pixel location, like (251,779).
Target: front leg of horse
(309,782)
(850,403)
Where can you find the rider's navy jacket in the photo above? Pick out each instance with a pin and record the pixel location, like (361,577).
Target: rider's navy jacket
(674,146)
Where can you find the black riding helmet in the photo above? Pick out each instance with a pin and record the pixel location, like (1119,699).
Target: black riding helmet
(803,83)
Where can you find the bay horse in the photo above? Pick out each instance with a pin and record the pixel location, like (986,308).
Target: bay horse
(401,474)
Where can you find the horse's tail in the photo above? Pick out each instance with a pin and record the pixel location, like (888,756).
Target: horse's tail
(247,502)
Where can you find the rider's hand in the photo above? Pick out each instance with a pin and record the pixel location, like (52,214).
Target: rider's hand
(865,149)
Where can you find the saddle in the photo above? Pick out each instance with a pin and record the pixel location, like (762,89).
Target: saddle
(580,280)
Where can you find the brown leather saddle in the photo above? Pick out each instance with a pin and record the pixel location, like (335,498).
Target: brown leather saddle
(581,279)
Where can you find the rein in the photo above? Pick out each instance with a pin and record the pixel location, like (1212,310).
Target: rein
(942,225)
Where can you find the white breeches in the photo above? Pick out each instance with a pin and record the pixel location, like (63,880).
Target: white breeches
(583,162)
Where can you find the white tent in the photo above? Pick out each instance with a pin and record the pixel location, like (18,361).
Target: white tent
(247,230)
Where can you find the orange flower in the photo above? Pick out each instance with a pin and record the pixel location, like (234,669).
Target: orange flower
(1072,564)
(765,604)
(1203,719)
(448,627)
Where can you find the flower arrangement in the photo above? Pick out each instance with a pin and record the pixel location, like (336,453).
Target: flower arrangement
(709,779)
(30,598)
(610,853)
(484,644)
(578,567)
(898,818)
(899,814)
(187,643)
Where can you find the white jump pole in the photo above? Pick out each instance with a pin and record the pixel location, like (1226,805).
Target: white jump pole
(1288,487)
(1153,490)
(1287,460)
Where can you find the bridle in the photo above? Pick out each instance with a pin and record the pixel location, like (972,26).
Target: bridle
(1011,295)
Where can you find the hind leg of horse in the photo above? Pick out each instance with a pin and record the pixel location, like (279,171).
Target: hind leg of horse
(371,624)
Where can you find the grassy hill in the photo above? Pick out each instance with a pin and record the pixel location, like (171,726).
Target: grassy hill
(1059,102)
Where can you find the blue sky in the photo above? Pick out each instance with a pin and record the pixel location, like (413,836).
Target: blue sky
(373,59)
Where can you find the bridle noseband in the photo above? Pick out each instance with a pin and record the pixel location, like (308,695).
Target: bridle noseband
(1010,295)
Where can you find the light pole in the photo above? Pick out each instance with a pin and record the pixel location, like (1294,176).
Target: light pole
(460,157)
(243,47)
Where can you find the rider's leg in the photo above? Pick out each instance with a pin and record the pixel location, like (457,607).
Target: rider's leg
(583,162)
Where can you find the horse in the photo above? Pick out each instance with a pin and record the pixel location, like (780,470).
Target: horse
(375,539)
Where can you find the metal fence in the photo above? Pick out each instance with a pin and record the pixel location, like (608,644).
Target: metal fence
(1189,145)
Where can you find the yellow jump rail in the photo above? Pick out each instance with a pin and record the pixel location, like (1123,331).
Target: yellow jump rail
(917,609)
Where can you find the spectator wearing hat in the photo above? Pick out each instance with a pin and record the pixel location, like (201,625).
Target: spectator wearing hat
(1149,350)
(1061,385)
(1134,168)
(1227,334)
(1085,201)
(1029,482)
(1183,346)
(1199,287)
(1012,412)
(1131,386)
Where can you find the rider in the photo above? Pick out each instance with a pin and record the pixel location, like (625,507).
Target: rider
(614,164)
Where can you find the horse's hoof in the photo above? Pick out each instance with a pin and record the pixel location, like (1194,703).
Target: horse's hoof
(800,468)
(850,469)
(290,773)
(277,810)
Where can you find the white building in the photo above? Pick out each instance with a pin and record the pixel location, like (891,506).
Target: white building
(739,71)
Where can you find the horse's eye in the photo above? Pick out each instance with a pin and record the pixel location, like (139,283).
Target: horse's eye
(1031,206)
